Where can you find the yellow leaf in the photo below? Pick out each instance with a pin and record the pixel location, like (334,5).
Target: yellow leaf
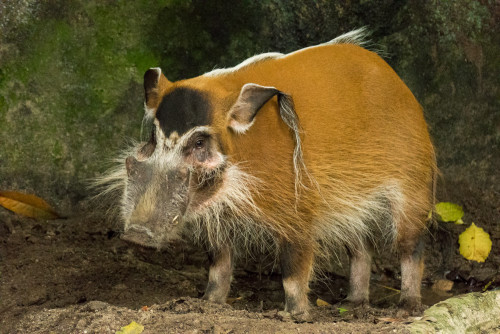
(132,328)
(27,205)
(475,244)
(450,212)
(322,303)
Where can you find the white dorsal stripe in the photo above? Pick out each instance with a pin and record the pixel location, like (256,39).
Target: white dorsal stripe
(355,37)
(252,60)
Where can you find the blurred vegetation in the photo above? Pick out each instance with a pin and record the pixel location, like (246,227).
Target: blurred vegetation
(71,73)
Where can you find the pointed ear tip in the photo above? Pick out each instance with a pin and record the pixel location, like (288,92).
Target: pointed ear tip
(154,69)
(153,73)
(252,85)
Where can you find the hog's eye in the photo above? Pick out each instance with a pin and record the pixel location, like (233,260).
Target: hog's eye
(200,142)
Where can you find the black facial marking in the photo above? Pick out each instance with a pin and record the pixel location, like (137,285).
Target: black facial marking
(182,109)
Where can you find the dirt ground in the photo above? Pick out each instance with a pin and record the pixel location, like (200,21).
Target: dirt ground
(75,276)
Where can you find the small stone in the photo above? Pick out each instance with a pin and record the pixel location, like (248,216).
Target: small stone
(94,306)
(120,286)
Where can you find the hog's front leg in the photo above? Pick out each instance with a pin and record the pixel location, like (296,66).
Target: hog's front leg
(219,274)
(296,268)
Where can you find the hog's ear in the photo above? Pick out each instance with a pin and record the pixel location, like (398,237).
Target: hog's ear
(148,149)
(252,97)
(154,83)
(131,164)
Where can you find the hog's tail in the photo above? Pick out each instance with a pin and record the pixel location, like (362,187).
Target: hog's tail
(435,175)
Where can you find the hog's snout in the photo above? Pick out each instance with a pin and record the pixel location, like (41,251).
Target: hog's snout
(138,235)
(153,234)
(155,201)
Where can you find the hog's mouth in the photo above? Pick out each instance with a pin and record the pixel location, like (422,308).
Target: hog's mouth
(142,236)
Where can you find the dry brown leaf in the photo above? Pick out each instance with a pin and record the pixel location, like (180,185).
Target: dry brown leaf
(442,285)
(231,300)
(27,205)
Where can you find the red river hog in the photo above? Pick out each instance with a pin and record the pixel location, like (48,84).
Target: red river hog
(303,153)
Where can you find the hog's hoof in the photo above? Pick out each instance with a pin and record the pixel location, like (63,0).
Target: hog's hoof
(359,309)
(214,299)
(302,317)
(298,317)
(355,304)
(410,307)
(351,304)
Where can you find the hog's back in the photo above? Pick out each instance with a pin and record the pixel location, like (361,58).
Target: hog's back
(363,133)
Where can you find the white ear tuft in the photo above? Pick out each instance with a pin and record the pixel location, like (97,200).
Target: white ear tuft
(149,113)
(238,127)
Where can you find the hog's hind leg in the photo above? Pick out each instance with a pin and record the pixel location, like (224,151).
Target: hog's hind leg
(412,267)
(359,278)
(296,269)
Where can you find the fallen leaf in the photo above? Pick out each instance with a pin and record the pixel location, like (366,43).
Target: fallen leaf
(144,308)
(322,303)
(231,300)
(429,215)
(475,243)
(488,285)
(389,288)
(132,328)
(389,320)
(442,287)
(27,205)
(342,310)
(450,212)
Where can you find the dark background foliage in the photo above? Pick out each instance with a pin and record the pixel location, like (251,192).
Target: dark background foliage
(71,76)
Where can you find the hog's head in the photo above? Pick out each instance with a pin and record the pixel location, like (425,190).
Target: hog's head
(183,171)
(161,188)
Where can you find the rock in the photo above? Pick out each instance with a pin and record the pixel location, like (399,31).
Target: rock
(94,306)
(474,312)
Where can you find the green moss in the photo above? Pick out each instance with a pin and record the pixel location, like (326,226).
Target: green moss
(62,95)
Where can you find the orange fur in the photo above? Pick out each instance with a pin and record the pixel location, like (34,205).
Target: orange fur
(361,129)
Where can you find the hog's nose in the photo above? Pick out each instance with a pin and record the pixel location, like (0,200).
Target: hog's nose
(138,235)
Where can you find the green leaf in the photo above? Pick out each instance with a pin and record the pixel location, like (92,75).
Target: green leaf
(342,310)
(450,212)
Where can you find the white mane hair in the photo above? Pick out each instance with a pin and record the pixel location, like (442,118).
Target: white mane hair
(356,37)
